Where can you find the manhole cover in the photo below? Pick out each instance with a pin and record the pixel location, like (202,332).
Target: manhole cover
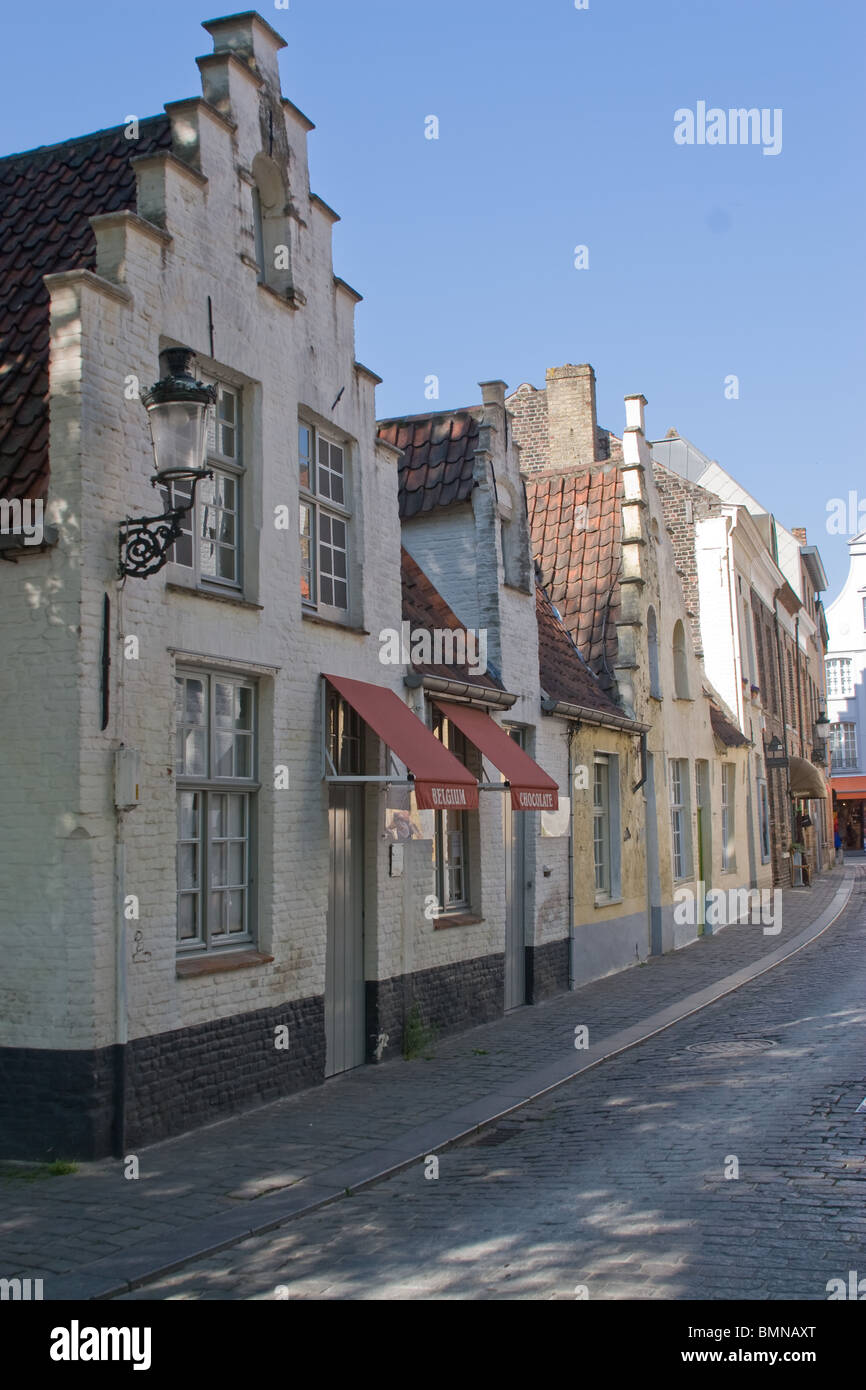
(733,1047)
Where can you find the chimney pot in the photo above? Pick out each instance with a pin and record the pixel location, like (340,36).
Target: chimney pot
(493,392)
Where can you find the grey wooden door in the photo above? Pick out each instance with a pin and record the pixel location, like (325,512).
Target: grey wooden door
(344,965)
(515,898)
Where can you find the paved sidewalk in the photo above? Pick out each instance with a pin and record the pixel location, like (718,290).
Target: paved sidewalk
(94,1232)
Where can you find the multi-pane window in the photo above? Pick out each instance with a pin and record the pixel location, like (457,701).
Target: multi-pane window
(215,772)
(324,521)
(843,746)
(451,836)
(840,678)
(728,809)
(601,825)
(209,544)
(680,837)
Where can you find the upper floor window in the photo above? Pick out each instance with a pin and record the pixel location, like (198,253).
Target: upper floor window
(840,677)
(864,613)
(843,746)
(324,522)
(210,541)
(215,776)
(681,673)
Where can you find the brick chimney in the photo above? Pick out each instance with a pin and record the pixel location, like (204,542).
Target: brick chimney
(800,533)
(571,418)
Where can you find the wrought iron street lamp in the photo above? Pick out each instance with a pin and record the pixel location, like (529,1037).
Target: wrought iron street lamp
(822,726)
(177,409)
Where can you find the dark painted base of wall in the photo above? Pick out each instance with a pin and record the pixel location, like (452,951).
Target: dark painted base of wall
(546,971)
(57,1104)
(67,1104)
(451,998)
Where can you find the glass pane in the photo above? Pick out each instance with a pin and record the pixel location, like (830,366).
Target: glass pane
(217,863)
(338,529)
(325,529)
(223,760)
(341,594)
(194,759)
(236,910)
(187,917)
(340,564)
(188,808)
(243,707)
(237,816)
(243,756)
(187,866)
(223,703)
(304,447)
(228,441)
(327,591)
(216,817)
(236,863)
(226,568)
(216,914)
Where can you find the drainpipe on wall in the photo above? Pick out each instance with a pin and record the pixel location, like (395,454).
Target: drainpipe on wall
(121,989)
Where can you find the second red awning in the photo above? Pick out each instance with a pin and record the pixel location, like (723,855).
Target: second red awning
(441,780)
(531,788)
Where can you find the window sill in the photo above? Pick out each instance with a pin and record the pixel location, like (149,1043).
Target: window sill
(218,962)
(309,617)
(607,902)
(455,919)
(173,587)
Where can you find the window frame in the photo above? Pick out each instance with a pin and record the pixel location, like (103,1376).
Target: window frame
(729,817)
(319,507)
(457,743)
(601,837)
(678,768)
(206,786)
(839,672)
(847,756)
(226,466)
(765,835)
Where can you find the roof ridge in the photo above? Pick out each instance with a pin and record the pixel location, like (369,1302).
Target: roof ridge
(94,135)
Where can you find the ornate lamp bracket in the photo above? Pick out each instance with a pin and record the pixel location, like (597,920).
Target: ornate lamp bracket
(146,541)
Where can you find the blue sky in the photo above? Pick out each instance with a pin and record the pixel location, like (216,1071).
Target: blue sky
(556,130)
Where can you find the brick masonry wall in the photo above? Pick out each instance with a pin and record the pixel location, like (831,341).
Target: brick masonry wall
(546,970)
(684,503)
(56,1104)
(451,999)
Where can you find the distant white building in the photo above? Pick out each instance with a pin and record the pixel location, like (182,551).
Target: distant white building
(846,696)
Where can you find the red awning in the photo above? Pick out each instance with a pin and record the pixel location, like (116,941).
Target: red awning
(441,780)
(531,789)
(854,787)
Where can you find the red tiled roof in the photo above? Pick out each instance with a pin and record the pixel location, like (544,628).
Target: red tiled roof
(424,607)
(564,674)
(580,567)
(46,198)
(438,460)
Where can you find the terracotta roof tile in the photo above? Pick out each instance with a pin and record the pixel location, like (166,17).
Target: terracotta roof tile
(726,732)
(580,567)
(564,674)
(438,463)
(47,196)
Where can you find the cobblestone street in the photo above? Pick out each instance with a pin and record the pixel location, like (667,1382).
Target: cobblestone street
(617,1181)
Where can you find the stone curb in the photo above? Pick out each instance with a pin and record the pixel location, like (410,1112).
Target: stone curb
(117,1274)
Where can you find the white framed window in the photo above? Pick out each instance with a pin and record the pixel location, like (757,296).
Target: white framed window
(864,613)
(210,542)
(680,818)
(215,771)
(729,792)
(840,678)
(451,834)
(601,826)
(843,746)
(324,522)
